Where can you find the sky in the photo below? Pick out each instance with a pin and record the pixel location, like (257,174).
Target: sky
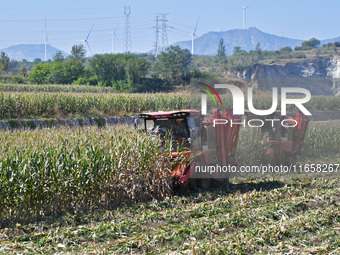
(69,22)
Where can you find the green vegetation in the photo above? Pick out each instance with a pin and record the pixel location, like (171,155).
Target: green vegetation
(146,73)
(107,189)
(122,72)
(173,64)
(4,62)
(58,171)
(277,216)
(54,88)
(55,171)
(309,45)
(221,53)
(57,105)
(84,102)
(242,60)
(322,143)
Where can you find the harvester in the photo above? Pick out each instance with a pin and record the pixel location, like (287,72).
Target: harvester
(212,140)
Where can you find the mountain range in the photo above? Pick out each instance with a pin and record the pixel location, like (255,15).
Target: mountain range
(247,39)
(207,44)
(31,52)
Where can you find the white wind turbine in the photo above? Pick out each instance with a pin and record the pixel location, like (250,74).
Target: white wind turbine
(244,15)
(192,38)
(45,39)
(114,39)
(86,41)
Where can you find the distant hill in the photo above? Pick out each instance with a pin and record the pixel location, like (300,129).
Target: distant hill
(247,39)
(337,39)
(30,51)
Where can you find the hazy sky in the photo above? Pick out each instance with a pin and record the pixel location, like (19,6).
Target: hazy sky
(68,22)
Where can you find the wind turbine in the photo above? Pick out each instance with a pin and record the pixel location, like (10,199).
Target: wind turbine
(113,39)
(192,38)
(244,15)
(45,39)
(86,41)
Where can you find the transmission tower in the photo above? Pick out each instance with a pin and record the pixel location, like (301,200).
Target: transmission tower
(164,27)
(156,27)
(127,35)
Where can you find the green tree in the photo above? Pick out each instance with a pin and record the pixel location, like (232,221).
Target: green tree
(37,60)
(66,72)
(40,73)
(258,49)
(23,72)
(286,49)
(221,53)
(58,57)
(4,62)
(108,68)
(78,52)
(136,68)
(237,49)
(311,43)
(123,70)
(173,64)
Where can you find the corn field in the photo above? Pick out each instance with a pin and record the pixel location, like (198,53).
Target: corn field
(263,101)
(321,142)
(321,145)
(25,105)
(53,171)
(59,105)
(55,88)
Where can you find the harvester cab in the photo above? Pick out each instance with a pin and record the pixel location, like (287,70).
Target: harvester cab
(177,125)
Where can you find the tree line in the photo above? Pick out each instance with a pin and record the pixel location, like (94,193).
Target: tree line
(143,72)
(123,72)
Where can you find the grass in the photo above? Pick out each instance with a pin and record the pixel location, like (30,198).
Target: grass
(284,216)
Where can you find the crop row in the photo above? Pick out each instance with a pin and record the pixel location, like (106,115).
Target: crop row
(56,105)
(54,88)
(321,145)
(53,171)
(25,105)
